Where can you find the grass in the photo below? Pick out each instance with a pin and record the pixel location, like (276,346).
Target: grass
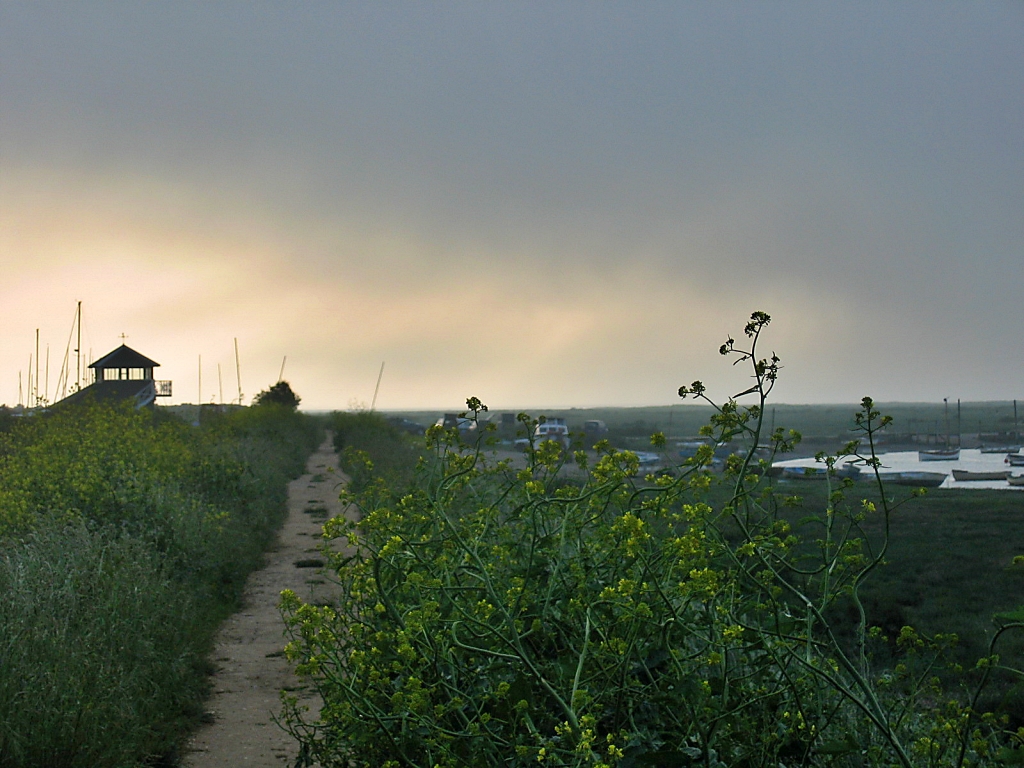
(949,569)
(830,423)
(950,559)
(83,655)
(125,537)
(392,454)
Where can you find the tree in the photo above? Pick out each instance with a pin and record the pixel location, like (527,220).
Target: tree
(279,394)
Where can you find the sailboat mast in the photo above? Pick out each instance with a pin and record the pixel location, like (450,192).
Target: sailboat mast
(238,372)
(377,388)
(220,385)
(945,408)
(959,428)
(36,398)
(64,377)
(78,348)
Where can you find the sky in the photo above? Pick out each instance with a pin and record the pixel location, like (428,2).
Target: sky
(538,204)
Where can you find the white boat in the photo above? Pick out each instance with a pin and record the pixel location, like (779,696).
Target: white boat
(942,454)
(964,475)
(820,473)
(1015,459)
(939,454)
(1000,449)
(648,462)
(804,473)
(648,458)
(916,479)
(1017,480)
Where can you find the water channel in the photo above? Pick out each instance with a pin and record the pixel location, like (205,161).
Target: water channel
(971,459)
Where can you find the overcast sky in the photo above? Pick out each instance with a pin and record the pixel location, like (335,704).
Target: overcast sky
(539,204)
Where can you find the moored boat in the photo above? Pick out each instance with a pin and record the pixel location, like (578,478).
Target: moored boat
(1015,459)
(1017,480)
(964,475)
(804,473)
(1000,449)
(947,453)
(820,473)
(916,479)
(648,458)
(939,454)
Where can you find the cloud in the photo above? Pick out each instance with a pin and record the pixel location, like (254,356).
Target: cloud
(186,276)
(527,205)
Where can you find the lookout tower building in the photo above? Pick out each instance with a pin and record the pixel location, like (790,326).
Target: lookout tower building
(124,374)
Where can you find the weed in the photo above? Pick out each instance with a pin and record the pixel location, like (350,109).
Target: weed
(126,537)
(495,615)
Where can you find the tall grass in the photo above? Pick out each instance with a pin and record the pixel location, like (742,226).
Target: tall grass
(125,537)
(949,569)
(372,448)
(97,658)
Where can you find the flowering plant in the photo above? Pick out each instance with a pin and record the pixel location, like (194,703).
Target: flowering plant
(571,613)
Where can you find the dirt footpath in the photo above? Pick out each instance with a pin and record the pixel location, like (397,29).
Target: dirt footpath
(251,669)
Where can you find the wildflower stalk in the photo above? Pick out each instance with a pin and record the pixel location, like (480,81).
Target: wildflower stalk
(518,616)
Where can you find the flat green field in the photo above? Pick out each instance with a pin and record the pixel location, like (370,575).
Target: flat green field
(823,427)
(949,568)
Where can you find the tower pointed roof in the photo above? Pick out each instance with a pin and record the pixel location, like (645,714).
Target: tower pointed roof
(124,357)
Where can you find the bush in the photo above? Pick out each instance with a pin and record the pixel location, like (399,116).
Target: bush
(280,394)
(491,616)
(97,659)
(373,451)
(126,537)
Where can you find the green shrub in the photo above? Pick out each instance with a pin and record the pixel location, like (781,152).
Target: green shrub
(126,536)
(493,616)
(373,449)
(94,651)
(280,394)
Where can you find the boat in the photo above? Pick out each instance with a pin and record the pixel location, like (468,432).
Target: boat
(648,458)
(688,449)
(939,454)
(804,473)
(963,475)
(1017,480)
(1015,459)
(1000,449)
(942,454)
(916,479)
(820,473)
(649,462)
